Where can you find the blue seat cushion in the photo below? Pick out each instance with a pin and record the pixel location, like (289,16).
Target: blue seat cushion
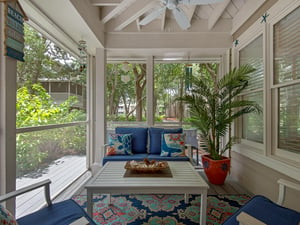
(61,213)
(158,157)
(124,157)
(139,137)
(266,211)
(155,138)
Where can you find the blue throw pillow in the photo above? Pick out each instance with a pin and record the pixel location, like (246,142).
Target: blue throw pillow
(139,137)
(155,138)
(173,145)
(120,144)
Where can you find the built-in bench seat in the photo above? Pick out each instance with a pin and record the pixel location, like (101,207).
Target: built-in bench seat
(140,137)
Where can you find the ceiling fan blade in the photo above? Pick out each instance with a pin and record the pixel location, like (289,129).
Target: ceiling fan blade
(181,18)
(198,2)
(149,18)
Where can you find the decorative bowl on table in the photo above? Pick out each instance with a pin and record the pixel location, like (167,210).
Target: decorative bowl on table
(146,166)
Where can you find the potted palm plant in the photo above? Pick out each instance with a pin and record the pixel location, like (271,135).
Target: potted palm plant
(213,105)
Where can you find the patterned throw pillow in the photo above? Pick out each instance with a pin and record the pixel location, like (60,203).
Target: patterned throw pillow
(6,217)
(172,145)
(119,144)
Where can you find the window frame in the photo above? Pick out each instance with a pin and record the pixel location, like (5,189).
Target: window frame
(265,155)
(247,92)
(280,154)
(246,39)
(87,90)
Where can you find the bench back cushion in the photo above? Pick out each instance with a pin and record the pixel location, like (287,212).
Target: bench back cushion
(139,137)
(156,135)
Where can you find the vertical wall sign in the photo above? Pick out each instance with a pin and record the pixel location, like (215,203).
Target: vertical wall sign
(14,31)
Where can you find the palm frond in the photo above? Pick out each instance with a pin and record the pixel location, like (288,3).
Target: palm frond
(214,105)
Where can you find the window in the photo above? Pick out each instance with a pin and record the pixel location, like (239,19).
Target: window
(173,80)
(286,88)
(51,122)
(169,83)
(252,124)
(126,93)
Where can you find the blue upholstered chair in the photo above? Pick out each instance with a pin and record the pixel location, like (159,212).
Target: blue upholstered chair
(61,213)
(262,211)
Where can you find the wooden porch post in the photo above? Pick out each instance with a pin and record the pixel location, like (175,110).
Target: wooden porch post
(100,106)
(8,87)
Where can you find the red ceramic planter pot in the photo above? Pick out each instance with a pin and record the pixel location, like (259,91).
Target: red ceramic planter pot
(216,170)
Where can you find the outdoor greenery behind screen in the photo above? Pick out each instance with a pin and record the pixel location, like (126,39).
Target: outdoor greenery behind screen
(126,91)
(51,90)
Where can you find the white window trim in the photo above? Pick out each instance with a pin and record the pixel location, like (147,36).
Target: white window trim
(254,151)
(249,36)
(281,11)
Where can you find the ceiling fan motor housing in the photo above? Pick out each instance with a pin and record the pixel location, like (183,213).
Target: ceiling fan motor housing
(171,4)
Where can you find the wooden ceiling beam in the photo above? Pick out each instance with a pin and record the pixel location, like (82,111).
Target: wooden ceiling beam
(189,10)
(133,12)
(217,13)
(105,2)
(117,10)
(163,21)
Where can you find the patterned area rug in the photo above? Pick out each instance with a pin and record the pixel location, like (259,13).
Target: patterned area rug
(161,209)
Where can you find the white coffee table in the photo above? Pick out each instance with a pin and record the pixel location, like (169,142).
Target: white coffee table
(185,180)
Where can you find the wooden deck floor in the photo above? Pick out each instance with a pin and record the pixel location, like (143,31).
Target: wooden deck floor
(61,172)
(229,187)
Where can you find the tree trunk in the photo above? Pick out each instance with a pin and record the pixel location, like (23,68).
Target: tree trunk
(140,84)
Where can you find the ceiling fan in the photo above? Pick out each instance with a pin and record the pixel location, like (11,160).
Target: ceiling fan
(178,13)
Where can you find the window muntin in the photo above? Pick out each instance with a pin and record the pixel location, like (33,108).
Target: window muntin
(252,124)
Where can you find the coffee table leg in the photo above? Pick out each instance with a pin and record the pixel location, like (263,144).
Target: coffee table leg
(186,198)
(109,198)
(90,203)
(203,208)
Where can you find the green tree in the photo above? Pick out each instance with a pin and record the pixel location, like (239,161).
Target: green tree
(169,84)
(126,88)
(35,108)
(44,59)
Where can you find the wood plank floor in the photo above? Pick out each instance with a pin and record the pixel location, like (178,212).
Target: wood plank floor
(229,187)
(61,172)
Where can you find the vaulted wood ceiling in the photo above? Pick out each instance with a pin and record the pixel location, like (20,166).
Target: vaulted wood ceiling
(124,15)
(114,25)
